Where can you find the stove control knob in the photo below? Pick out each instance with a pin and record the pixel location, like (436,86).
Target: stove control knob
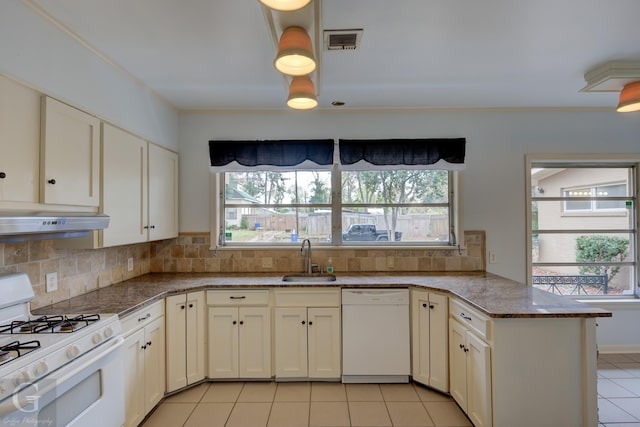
(108,332)
(97,338)
(40,369)
(72,352)
(22,378)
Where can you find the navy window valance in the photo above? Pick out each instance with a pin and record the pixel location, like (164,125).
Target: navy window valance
(236,156)
(367,154)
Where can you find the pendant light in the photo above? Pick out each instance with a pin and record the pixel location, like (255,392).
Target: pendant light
(285,5)
(302,94)
(629,98)
(295,53)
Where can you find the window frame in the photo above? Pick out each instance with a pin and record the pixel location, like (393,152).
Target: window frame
(454,222)
(533,161)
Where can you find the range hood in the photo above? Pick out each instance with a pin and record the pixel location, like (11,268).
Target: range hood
(21,226)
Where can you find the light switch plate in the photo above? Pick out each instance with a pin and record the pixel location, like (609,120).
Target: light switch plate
(52,282)
(130,264)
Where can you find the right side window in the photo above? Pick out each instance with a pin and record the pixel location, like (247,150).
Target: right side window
(583,228)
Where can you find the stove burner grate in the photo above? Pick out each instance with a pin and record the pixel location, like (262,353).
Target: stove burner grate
(18,348)
(49,324)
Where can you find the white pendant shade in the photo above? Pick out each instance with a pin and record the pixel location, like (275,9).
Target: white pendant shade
(295,53)
(302,94)
(285,5)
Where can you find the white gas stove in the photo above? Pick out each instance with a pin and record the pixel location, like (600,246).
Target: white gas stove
(45,358)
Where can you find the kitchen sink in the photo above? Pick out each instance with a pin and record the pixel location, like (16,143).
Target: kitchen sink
(309,277)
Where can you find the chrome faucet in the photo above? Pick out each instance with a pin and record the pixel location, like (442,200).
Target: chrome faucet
(308,255)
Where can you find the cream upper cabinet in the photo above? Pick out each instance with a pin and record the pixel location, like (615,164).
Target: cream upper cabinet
(429,339)
(69,156)
(185,339)
(163,193)
(124,190)
(19,143)
(239,334)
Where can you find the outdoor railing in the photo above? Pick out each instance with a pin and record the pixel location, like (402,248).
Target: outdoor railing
(577,282)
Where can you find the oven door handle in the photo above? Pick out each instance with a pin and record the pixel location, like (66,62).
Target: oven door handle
(23,398)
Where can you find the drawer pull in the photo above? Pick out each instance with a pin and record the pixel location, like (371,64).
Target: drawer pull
(241,297)
(141,319)
(465,317)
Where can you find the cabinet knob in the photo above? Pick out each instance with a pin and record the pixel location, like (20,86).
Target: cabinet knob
(234,322)
(148,343)
(461,345)
(424,305)
(310,323)
(3,175)
(146,227)
(52,181)
(242,322)
(303,322)
(182,307)
(431,306)
(144,347)
(153,226)
(190,305)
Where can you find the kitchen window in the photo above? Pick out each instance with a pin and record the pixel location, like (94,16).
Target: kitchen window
(582,234)
(412,207)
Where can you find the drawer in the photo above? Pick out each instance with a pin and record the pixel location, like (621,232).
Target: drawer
(307,297)
(141,317)
(238,297)
(470,317)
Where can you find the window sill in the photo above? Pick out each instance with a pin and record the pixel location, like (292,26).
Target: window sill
(613,303)
(320,246)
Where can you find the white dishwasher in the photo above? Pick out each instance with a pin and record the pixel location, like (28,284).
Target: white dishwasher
(375,336)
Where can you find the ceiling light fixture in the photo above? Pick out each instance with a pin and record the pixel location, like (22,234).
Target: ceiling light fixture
(295,53)
(629,98)
(302,94)
(285,5)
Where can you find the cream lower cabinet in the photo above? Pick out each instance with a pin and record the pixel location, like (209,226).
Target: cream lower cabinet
(470,373)
(429,339)
(186,336)
(239,334)
(144,361)
(239,342)
(307,334)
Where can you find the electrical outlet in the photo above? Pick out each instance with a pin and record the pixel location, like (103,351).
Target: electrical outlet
(493,258)
(52,282)
(267,262)
(130,264)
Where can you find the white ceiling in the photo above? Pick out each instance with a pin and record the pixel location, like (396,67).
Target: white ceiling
(218,54)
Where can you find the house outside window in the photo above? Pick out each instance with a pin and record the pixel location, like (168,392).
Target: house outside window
(404,207)
(582,235)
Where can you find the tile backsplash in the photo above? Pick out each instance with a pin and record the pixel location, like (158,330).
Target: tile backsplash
(81,271)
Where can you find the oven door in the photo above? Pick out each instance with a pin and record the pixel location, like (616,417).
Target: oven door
(85,392)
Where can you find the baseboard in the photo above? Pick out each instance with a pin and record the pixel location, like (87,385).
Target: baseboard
(618,348)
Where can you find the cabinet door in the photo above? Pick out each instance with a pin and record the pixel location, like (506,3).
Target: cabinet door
(223,342)
(478,381)
(70,156)
(420,336)
(176,342)
(19,142)
(154,363)
(324,343)
(255,342)
(195,337)
(291,342)
(124,186)
(438,342)
(163,193)
(134,378)
(458,363)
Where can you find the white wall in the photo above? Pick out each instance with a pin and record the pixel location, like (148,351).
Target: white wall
(38,54)
(493,186)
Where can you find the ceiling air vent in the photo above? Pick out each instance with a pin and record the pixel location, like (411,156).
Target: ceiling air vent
(342,39)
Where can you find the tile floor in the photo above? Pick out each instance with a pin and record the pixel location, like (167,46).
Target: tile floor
(255,404)
(619,390)
(270,404)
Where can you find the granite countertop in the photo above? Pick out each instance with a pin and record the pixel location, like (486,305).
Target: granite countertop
(493,295)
